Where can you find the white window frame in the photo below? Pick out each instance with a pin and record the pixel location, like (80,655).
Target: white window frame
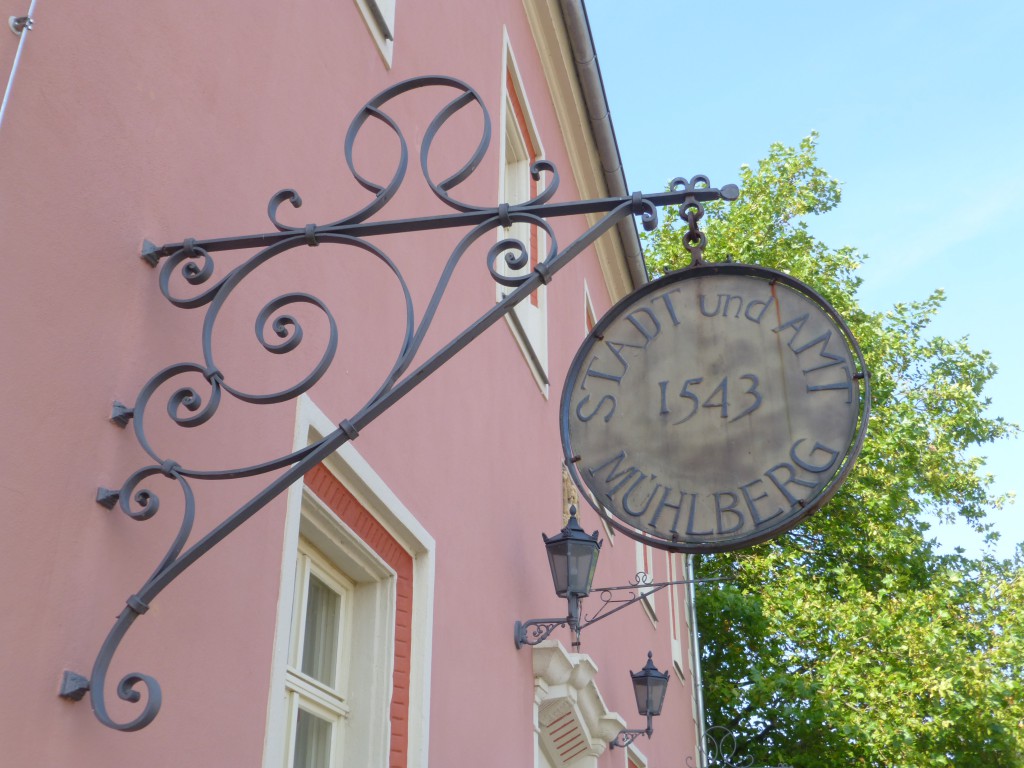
(343,561)
(327,700)
(589,314)
(677,606)
(528,321)
(645,564)
(379,16)
(634,757)
(308,518)
(323,712)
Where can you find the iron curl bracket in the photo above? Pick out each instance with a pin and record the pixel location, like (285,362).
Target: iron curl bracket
(534,631)
(638,589)
(627,736)
(187,279)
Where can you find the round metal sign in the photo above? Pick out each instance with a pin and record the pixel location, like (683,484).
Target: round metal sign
(714,408)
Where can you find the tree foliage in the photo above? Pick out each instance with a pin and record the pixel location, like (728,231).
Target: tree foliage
(851,641)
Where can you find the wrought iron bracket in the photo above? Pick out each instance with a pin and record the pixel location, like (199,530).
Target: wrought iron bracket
(627,736)
(121,414)
(640,588)
(534,631)
(188,279)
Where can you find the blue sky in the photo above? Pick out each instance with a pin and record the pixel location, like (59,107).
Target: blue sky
(920,110)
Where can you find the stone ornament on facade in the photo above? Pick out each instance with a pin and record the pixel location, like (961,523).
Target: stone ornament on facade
(575,725)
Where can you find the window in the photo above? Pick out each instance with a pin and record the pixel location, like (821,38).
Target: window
(379,16)
(520,149)
(347,676)
(320,658)
(350,681)
(677,611)
(645,564)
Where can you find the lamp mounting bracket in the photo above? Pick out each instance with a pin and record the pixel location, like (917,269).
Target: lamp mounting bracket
(534,631)
(627,736)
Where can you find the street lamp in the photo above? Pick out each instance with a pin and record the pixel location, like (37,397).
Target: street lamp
(572,555)
(649,687)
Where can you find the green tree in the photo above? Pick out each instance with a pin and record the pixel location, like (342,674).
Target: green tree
(851,641)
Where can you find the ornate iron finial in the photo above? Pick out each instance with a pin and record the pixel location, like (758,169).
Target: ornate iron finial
(692,209)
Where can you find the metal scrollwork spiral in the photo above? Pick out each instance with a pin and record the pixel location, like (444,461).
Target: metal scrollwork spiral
(148,503)
(646,210)
(641,578)
(186,407)
(197,267)
(516,254)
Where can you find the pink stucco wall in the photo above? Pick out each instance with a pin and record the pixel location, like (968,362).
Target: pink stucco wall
(173,120)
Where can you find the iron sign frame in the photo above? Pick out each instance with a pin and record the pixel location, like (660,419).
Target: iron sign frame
(804,508)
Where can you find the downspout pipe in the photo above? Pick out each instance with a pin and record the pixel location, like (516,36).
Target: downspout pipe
(589,74)
(25,26)
(698,680)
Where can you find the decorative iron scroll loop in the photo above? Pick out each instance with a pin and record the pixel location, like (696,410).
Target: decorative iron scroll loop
(282,196)
(516,257)
(441,188)
(626,737)
(127,687)
(197,388)
(536,630)
(193,273)
(642,578)
(646,210)
(720,748)
(515,252)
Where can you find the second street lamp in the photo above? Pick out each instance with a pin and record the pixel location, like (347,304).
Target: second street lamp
(649,686)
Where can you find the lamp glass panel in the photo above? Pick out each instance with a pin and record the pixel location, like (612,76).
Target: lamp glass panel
(640,690)
(650,693)
(582,564)
(658,686)
(559,560)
